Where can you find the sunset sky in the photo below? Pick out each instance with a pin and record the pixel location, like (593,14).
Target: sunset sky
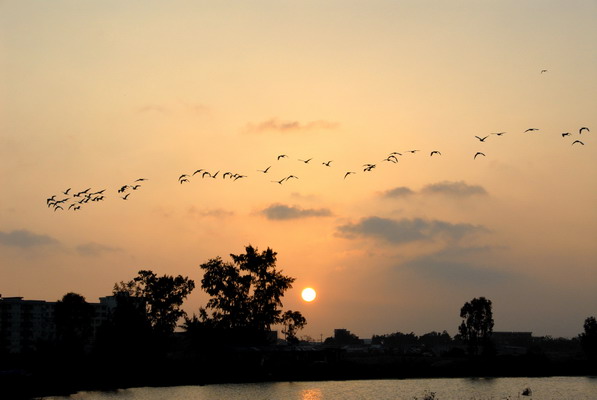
(97,94)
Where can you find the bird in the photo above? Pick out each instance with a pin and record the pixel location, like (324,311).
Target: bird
(291,176)
(182,181)
(583,128)
(543,70)
(125,197)
(565,134)
(66,191)
(135,187)
(140,179)
(368,167)
(226,173)
(196,172)
(395,153)
(578,141)
(498,133)
(305,161)
(478,154)
(532,129)
(282,156)
(205,173)
(123,188)
(182,176)
(239,176)
(348,173)
(412,151)
(280,181)
(435,152)
(482,139)
(56,207)
(327,164)
(48,200)
(264,170)
(216,174)
(391,158)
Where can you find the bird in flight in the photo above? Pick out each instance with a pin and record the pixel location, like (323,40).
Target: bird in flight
(348,173)
(327,164)
(583,128)
(66,191)
(196,172)
(543,70)
(391,158)
(282,156)
(216,174)
(280,181)
(498,133)
(435,152)
(412,151)
(482,139)
(368,167)
(305,161)
(182,176)
(205,173)
(532,129)
(578,141)
(127,195)
(478,154)
(264,170)
(141,179)
(565,134)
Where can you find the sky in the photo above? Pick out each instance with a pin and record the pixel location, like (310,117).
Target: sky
(96,95)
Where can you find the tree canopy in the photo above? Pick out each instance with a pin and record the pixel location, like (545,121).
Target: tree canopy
(477,325)
(163,297)
(247,293)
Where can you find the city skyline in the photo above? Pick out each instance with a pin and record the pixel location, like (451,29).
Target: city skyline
(309,114)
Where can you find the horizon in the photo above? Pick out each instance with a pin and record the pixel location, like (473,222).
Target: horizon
(107,106)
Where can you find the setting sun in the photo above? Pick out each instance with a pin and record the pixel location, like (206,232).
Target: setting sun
(308,294)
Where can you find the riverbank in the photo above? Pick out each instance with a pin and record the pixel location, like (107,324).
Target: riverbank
(42,376)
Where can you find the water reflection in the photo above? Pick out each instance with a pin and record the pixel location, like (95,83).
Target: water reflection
(311,394)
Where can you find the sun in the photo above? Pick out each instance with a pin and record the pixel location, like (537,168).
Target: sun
(308,294)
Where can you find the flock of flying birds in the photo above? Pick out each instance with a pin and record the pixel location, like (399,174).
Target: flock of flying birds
(75,200)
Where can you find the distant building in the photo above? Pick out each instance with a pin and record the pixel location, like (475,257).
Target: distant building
(26,324)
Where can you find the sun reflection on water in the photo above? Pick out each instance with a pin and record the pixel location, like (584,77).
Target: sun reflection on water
(311,394)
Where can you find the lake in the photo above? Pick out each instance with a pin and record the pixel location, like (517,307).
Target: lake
(552,388)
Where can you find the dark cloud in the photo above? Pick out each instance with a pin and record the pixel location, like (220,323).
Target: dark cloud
(95,249)
(25,239)
(447,266)
(281,212)
(407,230)
(401,191)
(460,189)
(290,126)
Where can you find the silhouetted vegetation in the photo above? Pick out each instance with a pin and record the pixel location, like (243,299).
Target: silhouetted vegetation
(162,296)
(588,339)
(477,325)
(245,299)
(74,317)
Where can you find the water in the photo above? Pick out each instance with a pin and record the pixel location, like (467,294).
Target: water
(554,388)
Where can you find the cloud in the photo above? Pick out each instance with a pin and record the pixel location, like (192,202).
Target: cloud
(95,249)
(407,230)
(215,212)
(281,212)
(461,266)
(459,189)
(290,126)
(25,239)
(401,191)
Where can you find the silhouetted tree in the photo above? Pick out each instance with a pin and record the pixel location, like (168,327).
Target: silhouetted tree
(293,321)
(477,325)
(74,319)
(245,294)
(162,295)
(127,331)
(588,339)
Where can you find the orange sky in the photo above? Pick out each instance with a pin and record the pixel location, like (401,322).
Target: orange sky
(98,94)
